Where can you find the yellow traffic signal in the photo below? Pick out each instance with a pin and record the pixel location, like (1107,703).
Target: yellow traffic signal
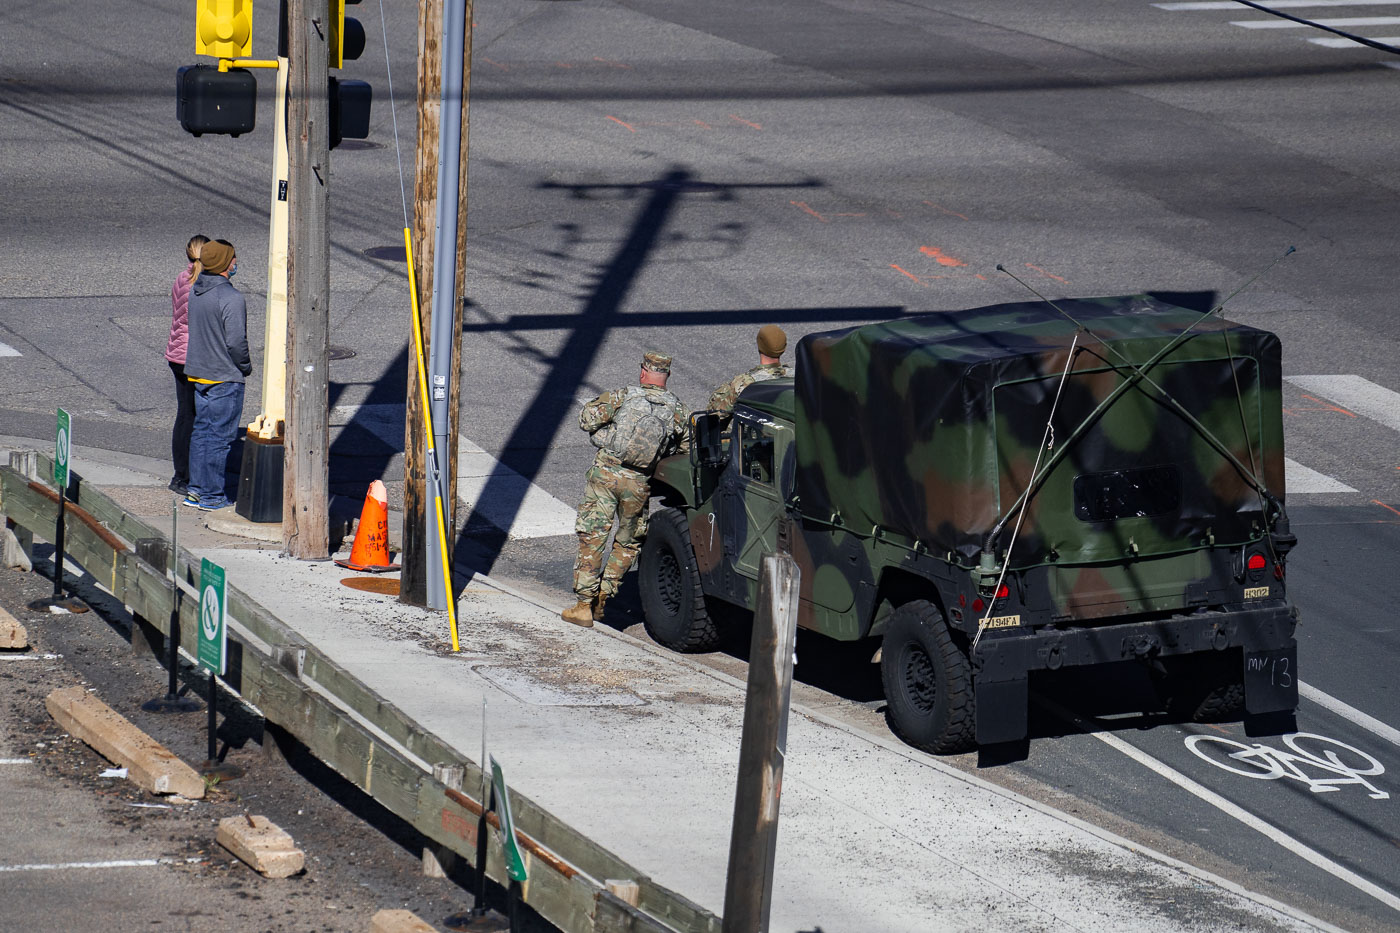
(346,41)
(224,28)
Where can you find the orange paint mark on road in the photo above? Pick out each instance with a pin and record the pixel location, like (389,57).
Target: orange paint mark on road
(495,63)
(1049,275)
(610,63)
(700,123)
(907,272)
(745,122)
(620,123)
(940,257)
(1328,406)
(803,205)
(942,209)
(1386,507)
(563,65)
(852,214)
(979,275)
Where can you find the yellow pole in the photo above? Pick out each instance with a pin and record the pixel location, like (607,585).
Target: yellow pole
(428,420)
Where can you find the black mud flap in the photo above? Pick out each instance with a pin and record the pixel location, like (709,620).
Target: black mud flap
(1003,709)
(1271,679)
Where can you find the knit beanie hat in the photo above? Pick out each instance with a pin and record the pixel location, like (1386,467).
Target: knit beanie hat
(772,341)
(216,256)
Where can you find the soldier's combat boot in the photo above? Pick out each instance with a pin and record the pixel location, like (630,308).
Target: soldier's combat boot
(580,614)
(598,607)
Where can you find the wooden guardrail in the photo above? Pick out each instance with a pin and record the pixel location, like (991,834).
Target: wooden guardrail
(315,700)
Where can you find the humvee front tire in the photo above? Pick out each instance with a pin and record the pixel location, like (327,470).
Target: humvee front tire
(672,598)
(928,681)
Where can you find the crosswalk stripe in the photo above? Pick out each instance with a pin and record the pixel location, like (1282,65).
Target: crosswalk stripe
(1340,43)
(1355,394)
(7,350)
(1350,21)
(1275,4)
(1301,480)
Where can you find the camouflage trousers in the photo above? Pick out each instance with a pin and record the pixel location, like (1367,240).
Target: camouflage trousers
(610,492)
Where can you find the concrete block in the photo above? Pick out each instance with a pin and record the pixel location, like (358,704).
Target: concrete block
(399,921)
(262,844)
(149,763)
(16,546)
(12,634)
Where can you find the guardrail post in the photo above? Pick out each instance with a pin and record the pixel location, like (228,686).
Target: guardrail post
(145,637)
(438,860)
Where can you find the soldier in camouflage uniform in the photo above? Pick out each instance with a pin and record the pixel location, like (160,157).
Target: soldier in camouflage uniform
(632,427)
(772,341)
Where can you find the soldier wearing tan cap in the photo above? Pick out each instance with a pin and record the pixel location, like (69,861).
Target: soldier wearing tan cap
(772,341)
(633,428)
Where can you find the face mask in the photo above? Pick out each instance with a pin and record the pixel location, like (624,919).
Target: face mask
(232,270)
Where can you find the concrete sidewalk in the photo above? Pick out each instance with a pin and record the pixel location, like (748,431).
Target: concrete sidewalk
(638,748)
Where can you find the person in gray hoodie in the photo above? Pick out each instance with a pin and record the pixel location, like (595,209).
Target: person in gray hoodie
(216,362)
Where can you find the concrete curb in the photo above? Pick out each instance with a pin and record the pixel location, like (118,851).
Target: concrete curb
(399,921)
(150,764)
(13,635)
(264,845)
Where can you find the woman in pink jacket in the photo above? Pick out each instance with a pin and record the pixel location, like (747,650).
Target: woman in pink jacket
(175,355)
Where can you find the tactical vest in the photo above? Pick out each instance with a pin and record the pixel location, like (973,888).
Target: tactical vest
(641,428)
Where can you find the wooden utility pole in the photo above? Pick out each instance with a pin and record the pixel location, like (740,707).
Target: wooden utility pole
(306,472)
(748,890)
(417,499)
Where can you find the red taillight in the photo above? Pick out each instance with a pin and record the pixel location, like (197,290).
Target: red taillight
(1003,592)
(1257,562)
(978,605)
(962,599)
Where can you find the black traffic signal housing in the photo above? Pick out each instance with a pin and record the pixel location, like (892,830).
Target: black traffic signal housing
(208,100)
(349,100)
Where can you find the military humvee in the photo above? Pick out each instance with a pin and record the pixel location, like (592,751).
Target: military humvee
(999,491)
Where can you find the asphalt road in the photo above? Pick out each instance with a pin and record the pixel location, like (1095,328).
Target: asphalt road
(675,175)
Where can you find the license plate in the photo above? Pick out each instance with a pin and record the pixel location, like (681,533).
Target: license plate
(1256,592)
(1271,679)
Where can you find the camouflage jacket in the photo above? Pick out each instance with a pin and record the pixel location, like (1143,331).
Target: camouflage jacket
(724,397)
(597,419)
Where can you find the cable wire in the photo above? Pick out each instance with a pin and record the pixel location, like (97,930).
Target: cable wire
(398,155)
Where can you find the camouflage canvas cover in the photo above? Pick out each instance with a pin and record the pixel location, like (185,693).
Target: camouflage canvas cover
(928,428)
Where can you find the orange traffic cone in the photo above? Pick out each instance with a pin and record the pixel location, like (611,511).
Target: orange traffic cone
(371,550)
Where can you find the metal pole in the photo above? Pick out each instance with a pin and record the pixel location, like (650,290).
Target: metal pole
(58,544)
(748,891)
(213,724)
(442,339)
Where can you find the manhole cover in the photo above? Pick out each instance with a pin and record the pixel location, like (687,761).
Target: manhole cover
(391,253)
(339,353)
(380,585)
(349,145)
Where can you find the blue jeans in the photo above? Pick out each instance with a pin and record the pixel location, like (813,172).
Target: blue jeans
(216,412)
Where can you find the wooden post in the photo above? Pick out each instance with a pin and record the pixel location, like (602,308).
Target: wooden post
(416,499)
(748,890)
(306,476)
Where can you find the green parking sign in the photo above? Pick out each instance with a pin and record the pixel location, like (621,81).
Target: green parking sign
(212,648)
(515,862)
(62,448)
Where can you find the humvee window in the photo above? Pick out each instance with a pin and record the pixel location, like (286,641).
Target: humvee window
(756,452)
(1105,497)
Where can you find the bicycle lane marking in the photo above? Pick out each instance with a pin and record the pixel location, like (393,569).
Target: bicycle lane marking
(1266,829)
(1350,713)
(1233,810)
(1271,764)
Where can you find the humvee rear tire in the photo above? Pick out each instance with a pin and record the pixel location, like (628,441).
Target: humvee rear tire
(672,599)
(928,681)
(1208,688)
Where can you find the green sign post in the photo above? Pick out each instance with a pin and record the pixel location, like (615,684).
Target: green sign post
(515,862)
(212,647)
(63,444)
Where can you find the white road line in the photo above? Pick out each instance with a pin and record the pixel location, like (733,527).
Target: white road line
(31,657)
(1268,830)
(1335,23)
(1301,480)
(116,863)
(1274,4)
(7,350)
(1340,43)
(16,761)
(1369,723)
(1355,394)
